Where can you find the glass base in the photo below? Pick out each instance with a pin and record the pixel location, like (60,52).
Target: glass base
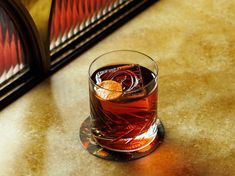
(95,149)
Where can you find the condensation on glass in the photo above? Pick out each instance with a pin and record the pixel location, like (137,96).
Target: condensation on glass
(12,56)
(71,17)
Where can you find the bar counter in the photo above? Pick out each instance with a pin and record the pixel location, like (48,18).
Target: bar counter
(193,43)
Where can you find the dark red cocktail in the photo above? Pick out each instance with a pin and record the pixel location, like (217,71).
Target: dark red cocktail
(123,102)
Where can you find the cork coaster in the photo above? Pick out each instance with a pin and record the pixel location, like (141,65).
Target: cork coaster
(92,147)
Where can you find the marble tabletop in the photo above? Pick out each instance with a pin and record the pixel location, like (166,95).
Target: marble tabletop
(194,45)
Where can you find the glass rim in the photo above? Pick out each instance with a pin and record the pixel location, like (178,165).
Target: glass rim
(113,51)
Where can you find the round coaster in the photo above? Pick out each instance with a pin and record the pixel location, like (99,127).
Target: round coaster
(91,146)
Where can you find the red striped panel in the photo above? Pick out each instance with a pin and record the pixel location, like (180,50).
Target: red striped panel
(11,51)
(71,16)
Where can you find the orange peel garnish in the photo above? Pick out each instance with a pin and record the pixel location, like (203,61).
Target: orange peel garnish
(108,90)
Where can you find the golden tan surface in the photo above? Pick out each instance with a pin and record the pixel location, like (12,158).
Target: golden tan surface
(194,44)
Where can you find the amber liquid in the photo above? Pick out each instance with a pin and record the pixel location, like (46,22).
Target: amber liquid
(126,123)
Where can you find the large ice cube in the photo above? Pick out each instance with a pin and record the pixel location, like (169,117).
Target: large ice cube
(129,76)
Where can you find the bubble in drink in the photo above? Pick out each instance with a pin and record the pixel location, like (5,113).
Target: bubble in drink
(123,106)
